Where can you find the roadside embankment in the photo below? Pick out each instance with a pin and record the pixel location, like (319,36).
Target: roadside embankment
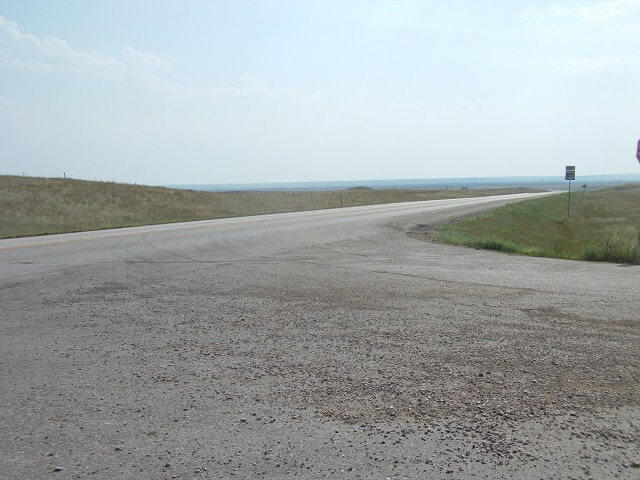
(603,225)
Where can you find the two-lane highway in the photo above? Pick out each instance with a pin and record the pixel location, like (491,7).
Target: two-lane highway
(37,253)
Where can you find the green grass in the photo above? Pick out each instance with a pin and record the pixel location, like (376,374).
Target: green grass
(604,226)
(40,206)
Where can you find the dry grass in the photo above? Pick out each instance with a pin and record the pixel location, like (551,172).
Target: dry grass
(40,206)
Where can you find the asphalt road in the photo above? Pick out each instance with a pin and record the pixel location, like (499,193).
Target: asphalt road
(35,254)
(329,344)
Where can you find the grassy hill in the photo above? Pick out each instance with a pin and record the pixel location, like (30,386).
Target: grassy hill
(39,206)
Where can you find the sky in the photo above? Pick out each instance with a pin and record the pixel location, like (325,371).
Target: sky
(202,92)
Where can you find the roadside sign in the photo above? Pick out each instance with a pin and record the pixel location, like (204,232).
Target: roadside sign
(570,173)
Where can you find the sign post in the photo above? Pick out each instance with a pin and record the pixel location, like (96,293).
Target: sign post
(569,174)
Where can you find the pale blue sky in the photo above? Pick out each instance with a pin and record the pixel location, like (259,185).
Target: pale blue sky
(221,92)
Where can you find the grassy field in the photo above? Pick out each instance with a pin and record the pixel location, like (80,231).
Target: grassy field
(604,226)
(39,206)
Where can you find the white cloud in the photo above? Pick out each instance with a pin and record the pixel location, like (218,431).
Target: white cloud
(599,64)
(594,37)
(532,15)
(26,51)
(162,84)
(149,72)
(602,12)
(145,61)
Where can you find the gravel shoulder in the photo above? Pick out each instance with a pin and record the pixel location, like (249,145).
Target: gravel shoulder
(382,355)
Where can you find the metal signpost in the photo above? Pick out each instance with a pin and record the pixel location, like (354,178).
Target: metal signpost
(569,174)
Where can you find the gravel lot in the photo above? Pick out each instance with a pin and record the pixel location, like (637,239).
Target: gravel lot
(375,355)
